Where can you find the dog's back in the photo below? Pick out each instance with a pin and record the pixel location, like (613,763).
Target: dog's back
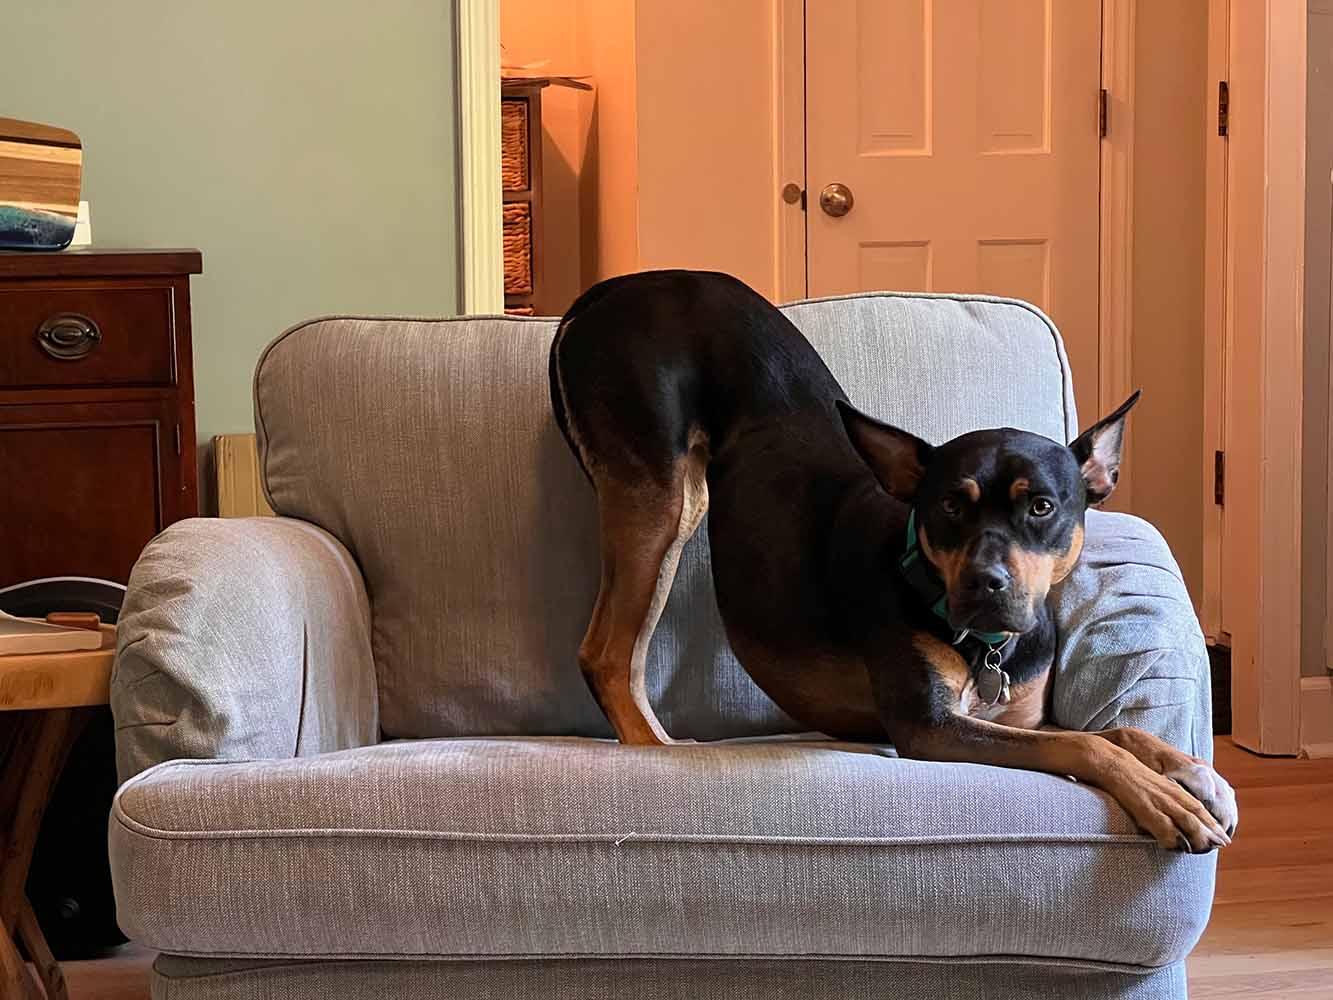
(668,359)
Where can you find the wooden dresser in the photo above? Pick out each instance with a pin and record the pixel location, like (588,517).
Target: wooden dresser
(96,408)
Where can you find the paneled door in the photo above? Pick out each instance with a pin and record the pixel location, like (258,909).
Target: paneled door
(953,146)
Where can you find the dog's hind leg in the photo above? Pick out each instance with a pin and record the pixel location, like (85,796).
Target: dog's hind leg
(644,527)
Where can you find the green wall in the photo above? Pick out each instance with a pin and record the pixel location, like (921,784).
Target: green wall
(307,147)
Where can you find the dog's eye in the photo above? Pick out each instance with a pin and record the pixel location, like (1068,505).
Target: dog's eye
(1041,507)
(951,507)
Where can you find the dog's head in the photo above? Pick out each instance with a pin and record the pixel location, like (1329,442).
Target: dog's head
(999,513)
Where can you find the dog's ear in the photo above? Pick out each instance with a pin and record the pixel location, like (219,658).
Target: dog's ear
(1098,452)
(897,459)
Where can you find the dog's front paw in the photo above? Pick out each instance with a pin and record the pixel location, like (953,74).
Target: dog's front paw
(1171,815)
(1210,788)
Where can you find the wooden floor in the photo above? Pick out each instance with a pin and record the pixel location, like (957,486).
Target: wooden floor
(1272,929)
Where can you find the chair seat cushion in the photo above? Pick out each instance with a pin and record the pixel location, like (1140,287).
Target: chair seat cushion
(487,848)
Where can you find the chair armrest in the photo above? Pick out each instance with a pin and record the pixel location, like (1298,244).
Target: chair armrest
(1130,651)
(242,639)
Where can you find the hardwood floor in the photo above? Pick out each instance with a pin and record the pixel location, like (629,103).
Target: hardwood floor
(1271,935)
(123,977)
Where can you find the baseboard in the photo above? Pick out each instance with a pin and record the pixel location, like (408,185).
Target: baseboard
(1317,716)
(236,469)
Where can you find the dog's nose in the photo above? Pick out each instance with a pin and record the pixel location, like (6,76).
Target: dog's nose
(992,579)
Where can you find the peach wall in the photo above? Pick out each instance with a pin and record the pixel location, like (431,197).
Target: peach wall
(533,30)
(589,147)
(671,162)
(609,184)
(707,191)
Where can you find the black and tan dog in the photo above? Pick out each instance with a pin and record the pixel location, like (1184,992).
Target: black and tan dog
(874,586)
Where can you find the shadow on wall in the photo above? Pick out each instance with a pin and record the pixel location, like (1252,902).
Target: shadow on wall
(589,215)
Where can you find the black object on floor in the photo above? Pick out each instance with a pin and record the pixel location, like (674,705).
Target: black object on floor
(70,879)
(1219,664)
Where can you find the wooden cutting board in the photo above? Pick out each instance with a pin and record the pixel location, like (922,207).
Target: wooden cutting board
(41,174)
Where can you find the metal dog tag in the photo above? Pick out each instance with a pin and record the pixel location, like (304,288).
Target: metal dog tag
(992,681)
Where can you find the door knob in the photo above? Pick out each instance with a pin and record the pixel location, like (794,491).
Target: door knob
(836,200)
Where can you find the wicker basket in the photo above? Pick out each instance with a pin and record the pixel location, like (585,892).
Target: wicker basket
(520,311)
(518,248)
(514,145)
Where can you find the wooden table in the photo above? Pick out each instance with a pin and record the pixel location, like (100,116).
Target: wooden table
(44,703)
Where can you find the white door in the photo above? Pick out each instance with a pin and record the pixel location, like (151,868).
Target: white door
(967,133)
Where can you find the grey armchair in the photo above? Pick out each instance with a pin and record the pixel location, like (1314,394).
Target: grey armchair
(359,758)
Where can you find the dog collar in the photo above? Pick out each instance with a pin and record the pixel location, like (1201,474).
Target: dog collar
(926,582)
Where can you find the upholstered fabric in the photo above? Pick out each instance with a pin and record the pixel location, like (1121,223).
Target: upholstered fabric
(1130,651)
(943,365)
(574,847)
(242,638)
(428,449)
(656,979)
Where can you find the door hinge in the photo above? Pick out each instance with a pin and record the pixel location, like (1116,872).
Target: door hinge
(1103,113)
(1223,107)
(178,439)
(1219,477)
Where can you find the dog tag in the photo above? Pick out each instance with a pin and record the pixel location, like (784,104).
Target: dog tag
(992,681)
(993,685)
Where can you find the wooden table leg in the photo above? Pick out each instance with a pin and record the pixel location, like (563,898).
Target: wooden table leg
(48,969)
(14,978)
(35,756)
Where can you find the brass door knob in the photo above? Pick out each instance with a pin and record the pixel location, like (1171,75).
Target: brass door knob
(836,200)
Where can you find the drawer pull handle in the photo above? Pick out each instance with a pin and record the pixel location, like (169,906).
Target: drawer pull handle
(68,336)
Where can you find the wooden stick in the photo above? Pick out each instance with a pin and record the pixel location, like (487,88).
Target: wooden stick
(16,746)
(48,969)
(51,744)
(14,979)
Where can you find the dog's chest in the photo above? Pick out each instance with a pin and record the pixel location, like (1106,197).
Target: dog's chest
(1024,709)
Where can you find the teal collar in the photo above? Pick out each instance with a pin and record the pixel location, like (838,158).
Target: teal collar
(918,571)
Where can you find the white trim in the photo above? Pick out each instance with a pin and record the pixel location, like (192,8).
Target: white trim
(1115,327)
(481,238)
(1212,610)
(1265,250)
(1317,716)
(789,280)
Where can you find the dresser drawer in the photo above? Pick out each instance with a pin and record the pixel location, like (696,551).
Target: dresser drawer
(517,239)
(86,333)
(514,144)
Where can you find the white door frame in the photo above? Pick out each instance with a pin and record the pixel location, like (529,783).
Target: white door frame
(1253,343)
(480,233)
(1115,292)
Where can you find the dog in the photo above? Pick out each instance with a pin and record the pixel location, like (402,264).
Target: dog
(876,587)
